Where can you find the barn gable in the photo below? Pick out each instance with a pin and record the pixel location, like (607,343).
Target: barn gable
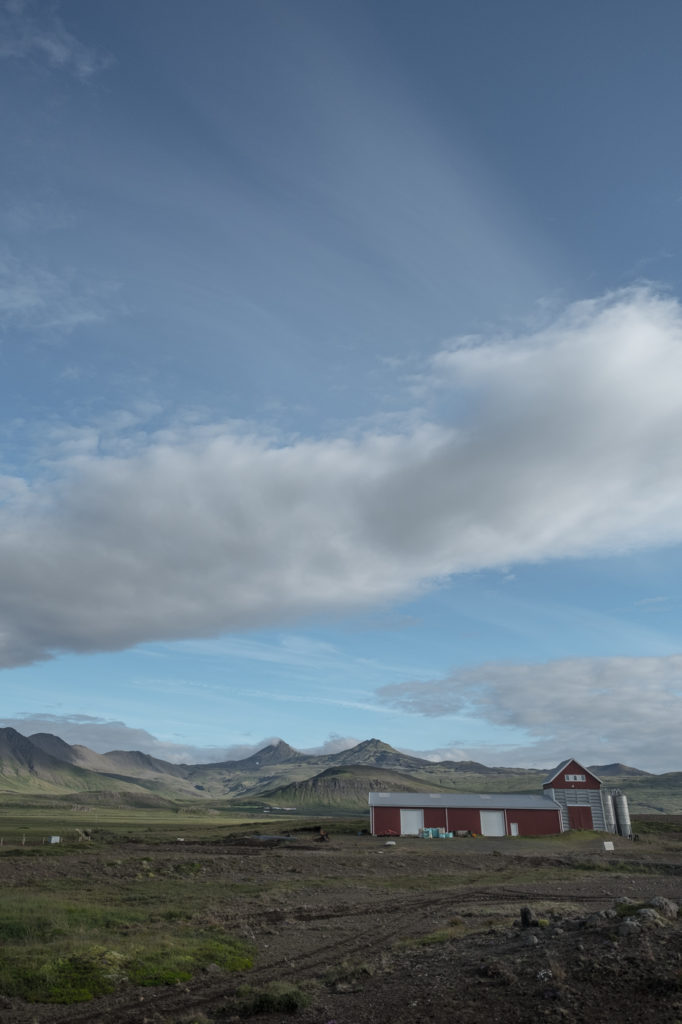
(579,793)
(570,774)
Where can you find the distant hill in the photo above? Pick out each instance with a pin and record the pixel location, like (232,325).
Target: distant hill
(54,746)
(134,762)
(26,767)
(623,771)
(44,764)
(468,766)
(344,788)
(375,752)
(274,754)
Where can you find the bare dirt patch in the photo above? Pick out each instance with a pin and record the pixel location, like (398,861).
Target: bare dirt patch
(423,930)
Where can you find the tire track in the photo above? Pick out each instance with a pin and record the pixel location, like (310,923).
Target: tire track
(376,936)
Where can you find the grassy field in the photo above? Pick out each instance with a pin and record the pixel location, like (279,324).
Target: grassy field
(132,906)
(35,825)
(67,939)
(69,932)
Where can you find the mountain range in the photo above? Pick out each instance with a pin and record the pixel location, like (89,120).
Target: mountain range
(279,776)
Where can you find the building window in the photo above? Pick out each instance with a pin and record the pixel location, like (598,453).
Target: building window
(574,778)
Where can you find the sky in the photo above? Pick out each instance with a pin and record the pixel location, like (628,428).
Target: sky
(341,377)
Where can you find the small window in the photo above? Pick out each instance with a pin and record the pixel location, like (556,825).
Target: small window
(574,778)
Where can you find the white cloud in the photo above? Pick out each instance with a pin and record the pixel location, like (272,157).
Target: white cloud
(99,734)
(600,710)
(42,36)
(334,745)
(568,445)
(103,735)
(435,754)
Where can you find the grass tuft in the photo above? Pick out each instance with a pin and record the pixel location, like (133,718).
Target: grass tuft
(277,997)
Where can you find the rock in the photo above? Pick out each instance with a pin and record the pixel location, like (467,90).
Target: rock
(528,918)
(630,927)
(498,970)
(649,917)
(528,939)
(665,907)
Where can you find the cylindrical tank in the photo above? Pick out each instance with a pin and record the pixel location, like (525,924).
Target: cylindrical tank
(609,812)
(620,803)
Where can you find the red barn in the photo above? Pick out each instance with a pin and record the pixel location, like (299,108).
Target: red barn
(487,814)
(584,803)
(573,798)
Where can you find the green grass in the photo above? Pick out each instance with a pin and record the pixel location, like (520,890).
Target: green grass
(277,997)
(148,918)
(34,824)
(658,825)
(75,971)
(64,945)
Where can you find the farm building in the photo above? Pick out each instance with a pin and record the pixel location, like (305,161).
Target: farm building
(486,814)
(584,802)
(572,798)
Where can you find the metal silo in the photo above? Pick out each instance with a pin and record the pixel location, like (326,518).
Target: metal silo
(609,811)
(622,814)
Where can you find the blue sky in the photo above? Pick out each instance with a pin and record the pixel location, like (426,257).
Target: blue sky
(341,377)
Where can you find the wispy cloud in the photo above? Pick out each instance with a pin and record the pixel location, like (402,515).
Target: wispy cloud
(307,656)
(569,448)
(36,32)
(33,298)
(652,602)
(318,700)
(598,709)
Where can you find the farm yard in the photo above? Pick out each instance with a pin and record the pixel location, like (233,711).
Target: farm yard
(231,924)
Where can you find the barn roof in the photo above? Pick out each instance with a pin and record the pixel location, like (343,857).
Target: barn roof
(483,801)
(564,764)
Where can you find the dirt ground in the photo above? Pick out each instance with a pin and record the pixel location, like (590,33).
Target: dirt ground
(416,931)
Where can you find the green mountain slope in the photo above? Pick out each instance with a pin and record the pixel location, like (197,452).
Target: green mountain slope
(342,789)
(45,764)
(27,768)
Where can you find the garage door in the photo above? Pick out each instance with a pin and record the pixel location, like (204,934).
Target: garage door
(580,817)
(411,821)
(492,823)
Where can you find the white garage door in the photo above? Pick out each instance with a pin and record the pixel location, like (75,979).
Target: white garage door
(411,821)
(492,823)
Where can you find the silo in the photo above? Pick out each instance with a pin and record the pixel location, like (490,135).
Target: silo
(622,815)
(607,797)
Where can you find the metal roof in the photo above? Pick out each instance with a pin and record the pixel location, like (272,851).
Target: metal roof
(555,771)
(560,767)
(483,801)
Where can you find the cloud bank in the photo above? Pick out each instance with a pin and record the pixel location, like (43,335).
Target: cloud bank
(597,709)
(562,442)
(103,735)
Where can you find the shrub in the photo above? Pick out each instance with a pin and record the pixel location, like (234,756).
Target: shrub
(277,997)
